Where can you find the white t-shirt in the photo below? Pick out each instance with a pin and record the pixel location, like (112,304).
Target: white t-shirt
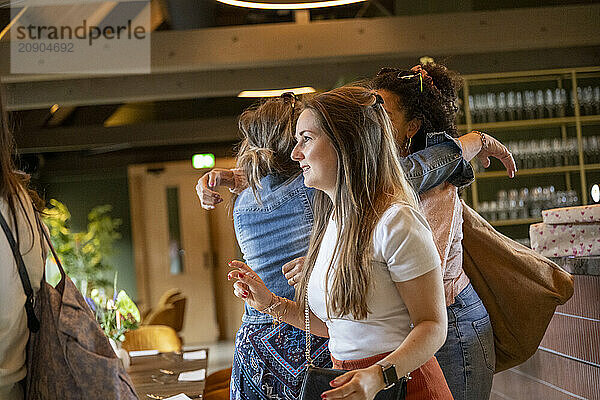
(403,249)
(14,333)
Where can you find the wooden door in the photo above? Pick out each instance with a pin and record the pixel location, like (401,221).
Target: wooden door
(172,244)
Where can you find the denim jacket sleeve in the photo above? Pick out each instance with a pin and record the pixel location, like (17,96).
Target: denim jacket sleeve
(440,161)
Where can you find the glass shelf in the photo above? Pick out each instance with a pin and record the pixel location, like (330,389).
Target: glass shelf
(532,123)
(521,221)
(537,171)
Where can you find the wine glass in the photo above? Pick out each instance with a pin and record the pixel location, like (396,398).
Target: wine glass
(519,105)
(502,108)
(529,104)
(560,101)
(480,106)
(511,105)
(491,107)
(549,102)
(587,101)
(472,108)
(539,103)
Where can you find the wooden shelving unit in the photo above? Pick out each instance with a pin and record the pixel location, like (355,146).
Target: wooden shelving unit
(557,78)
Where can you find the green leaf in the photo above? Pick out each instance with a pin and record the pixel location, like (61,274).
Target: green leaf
(126,306)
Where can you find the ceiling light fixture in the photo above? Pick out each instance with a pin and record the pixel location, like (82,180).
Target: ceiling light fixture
(289,4)
(276,92)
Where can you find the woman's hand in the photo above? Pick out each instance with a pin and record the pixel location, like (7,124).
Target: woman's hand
(484,146)
(493,148)
(248,286)
(216,177)
(293,271)
(358,384)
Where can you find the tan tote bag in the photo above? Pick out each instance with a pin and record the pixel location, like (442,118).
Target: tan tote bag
(520,288)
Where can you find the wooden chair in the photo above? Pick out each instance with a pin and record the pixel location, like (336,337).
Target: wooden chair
(165,299)
(169,296)
(220,394)
(171,314)
(152,337)
(216,386)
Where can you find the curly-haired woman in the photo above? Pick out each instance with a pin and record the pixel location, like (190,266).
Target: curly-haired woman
(421,103)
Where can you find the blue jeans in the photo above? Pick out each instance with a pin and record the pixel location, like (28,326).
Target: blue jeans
(468,357)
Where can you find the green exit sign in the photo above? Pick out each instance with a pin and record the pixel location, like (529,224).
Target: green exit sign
(200,161)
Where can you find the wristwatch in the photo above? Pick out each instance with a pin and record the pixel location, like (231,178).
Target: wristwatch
(390,377)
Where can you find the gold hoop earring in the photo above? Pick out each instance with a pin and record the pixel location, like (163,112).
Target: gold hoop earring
(406,146)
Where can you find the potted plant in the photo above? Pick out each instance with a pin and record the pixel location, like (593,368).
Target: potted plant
(116,315)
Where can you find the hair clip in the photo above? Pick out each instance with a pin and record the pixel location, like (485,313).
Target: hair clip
(419,72)
(289,96)
(422,75)
(400,76)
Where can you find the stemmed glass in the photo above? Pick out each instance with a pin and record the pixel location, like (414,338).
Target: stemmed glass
(588,100)
(502,108)
(560,101)
(539,103)
(558,152)
(513,204)
(480,107)
(519,105)
(591,148)
(529,104)
(472,108)
(549,102)
(511,105)
(491,107)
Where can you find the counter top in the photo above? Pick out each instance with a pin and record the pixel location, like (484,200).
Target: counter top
(579,265)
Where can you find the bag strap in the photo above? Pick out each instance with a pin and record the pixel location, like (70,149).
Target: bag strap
(32,321)
(49,242)
(307,328)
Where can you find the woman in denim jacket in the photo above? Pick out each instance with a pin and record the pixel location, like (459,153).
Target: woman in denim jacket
(273,221)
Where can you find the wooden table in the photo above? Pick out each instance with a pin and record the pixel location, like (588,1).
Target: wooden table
(148,379)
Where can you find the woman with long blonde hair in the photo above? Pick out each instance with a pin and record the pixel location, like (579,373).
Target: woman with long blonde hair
(372,269)
(273,221)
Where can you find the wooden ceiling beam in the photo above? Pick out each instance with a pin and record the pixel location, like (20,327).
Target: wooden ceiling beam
(100,139)
(222,61)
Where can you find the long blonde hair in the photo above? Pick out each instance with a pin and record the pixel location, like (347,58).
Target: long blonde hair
(369,180)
